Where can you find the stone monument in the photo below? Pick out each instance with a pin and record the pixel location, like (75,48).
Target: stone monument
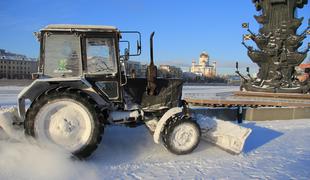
(279,48)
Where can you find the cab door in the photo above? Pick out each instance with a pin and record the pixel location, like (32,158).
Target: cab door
(101,66)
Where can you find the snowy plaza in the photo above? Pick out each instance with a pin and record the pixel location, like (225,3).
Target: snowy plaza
(274,150)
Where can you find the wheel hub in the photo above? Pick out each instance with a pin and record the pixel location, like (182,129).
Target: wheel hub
(184,136)
(64,126)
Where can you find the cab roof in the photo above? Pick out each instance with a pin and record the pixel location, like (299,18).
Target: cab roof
(77,27)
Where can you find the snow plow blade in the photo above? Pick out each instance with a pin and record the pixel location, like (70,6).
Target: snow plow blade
(226,135)
(9,122)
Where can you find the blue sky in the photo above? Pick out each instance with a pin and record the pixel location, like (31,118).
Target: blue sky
(183,28)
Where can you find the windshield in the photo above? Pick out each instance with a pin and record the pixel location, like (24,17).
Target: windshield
(101,56)
(62,55)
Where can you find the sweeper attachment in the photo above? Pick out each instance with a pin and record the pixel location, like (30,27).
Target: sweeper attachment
(226,135)
(82,88)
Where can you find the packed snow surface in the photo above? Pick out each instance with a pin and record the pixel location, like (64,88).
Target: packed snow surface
(201,92)
(8,95)
(274,150)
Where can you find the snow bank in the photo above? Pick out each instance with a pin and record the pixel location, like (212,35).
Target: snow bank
(7,117)
(20,160)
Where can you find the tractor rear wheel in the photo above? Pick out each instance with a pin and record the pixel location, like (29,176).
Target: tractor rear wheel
(181,135)
(67,118)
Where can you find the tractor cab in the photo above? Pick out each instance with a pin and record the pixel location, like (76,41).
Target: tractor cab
(91,52)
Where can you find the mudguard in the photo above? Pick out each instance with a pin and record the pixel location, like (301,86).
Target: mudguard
(39,86)
(162,122)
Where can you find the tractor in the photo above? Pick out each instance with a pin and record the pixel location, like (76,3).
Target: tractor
(82,87)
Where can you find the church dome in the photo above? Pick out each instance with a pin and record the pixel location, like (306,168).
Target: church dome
(204,54)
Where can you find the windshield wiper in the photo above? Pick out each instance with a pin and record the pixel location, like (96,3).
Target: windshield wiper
(101,68)
(106,65)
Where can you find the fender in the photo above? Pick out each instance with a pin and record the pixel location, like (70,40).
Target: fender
(39,86)
(162,122)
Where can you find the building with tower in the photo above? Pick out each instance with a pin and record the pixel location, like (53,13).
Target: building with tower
(204,67)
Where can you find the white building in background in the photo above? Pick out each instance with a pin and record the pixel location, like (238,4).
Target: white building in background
(204,68)
(16,66)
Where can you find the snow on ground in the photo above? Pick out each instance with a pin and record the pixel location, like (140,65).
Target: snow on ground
(200,92)
(8,95)
(274,150)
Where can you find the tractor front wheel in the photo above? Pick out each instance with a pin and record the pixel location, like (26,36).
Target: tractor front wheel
(181,135)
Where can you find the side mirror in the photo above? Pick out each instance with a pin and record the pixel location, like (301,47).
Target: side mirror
(138,53)
(237,65)
(248,70)
(245,25)
(138,47)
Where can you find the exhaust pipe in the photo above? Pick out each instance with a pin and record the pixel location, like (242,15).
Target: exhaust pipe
(151,48)
(151,72)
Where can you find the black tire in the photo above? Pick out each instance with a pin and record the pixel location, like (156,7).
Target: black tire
(168,134)
(75,95)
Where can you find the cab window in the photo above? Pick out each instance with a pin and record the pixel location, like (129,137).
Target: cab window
(101,56)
